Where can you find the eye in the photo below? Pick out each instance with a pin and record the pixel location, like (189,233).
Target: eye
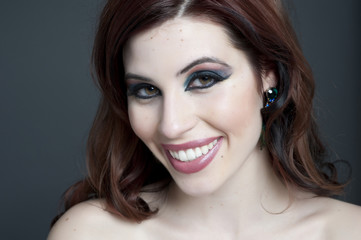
(203,79)
(143,91)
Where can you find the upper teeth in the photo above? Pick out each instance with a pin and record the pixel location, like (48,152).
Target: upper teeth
(192,153)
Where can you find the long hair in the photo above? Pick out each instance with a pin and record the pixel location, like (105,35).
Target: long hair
(120,166)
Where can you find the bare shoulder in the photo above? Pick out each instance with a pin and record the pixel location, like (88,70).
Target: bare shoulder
(342,220)
(89,220)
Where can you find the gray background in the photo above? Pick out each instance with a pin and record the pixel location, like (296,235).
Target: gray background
(48,100)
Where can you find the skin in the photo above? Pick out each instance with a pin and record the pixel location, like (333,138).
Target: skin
(237,196)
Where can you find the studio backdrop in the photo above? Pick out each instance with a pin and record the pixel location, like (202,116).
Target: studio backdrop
(48,98)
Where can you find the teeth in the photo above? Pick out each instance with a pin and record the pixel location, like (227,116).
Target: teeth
(183,156)
(198,152)
(191,154)
(204,149)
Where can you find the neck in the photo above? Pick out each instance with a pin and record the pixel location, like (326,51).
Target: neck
(253,193)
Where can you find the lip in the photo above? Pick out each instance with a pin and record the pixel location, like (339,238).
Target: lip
(197,164)
(187,145)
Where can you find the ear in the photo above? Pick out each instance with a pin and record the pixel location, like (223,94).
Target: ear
(269,80)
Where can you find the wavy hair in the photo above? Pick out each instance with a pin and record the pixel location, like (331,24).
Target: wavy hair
(120,166)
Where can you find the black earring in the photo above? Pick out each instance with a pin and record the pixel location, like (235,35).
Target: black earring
(271,95)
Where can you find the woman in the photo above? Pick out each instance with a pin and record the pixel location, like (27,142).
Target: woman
(204,131)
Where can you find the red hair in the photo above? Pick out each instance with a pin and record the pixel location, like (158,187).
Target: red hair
(120,166)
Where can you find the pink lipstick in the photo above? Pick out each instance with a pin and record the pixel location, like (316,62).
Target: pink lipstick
(192,157)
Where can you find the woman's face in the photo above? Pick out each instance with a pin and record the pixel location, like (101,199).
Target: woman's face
(194,101)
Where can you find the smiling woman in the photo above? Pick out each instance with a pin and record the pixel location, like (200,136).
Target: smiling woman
(204,131)
(206,102)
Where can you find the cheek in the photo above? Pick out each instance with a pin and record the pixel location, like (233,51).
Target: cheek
(238,111)
(141,121)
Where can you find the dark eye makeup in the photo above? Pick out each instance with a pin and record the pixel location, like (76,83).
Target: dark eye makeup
(196,81)
(143,90)
(205,79)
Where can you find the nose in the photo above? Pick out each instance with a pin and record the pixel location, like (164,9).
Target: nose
(177,117)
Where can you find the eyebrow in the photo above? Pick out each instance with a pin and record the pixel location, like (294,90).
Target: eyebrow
(200,61)
(135,76)
(184,70)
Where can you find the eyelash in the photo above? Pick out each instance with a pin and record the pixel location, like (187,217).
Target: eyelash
(136,89)
(209,75)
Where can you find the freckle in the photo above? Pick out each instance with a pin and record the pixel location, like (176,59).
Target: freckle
(151,37)
(66,219)
(167,38)
(74,230)
(221,156)
(180,30)
(182,39)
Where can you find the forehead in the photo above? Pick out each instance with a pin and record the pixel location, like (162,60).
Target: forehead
(176,42)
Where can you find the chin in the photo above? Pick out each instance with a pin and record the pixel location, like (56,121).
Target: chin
(198,187)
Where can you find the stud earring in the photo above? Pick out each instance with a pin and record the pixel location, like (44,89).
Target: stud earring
(271,95)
